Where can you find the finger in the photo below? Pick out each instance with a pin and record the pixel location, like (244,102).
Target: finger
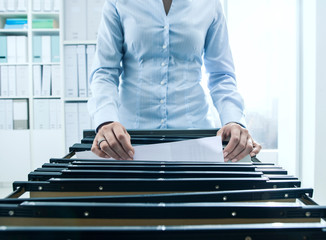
(114,146)
(124,139)
(107,149)
(245,152)
(239,147)
(256,149)
(234,141)
(95,149)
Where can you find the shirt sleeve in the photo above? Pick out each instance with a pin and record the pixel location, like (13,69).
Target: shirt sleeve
(219,65)
(104,79)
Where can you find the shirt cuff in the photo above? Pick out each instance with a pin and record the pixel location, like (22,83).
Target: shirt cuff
(236,116)
(105,114)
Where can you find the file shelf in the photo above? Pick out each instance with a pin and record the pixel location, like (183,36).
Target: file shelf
(43,143)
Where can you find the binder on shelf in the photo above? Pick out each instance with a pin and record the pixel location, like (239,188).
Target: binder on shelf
(93,13)
(37,49)
(46,80)
(53,113)
(37,5)
(47,5)
(90,51)
(56,5)
(16,23)
(22,80)
(82,79)
(21,5)
(21,49)
(55,49)
(59,114)
(44,23)
(11,5)
(3,5)
(9,114)
(55,80)
(11,49)
(74,24)
(71,76)
(41,114)
(71,118)
(3,49)
(46,49)
(84,120)
(4,81)
(3,114)
(37,80)
(12,80)
(20,114)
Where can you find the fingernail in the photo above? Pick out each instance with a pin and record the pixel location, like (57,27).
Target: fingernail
(226,160)
(234,160)
(131,154)
(225,154)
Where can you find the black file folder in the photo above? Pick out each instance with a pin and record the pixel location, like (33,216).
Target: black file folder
(71,198)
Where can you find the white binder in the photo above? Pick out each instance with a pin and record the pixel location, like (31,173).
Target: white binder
(46,80)
(4,81)
(90,56)
(55,80)
(11,49)
(37,80)
(22,81)
(46,49)
(41,114)
(12,80)
(94,13)
(21,5)
(9,114)
(21,49)
(71,77)
(82,79)
(75,24)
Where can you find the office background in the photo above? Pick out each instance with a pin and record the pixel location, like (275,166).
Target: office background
(46,51)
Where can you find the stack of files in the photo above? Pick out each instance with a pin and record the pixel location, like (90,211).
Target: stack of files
(13,49)
(14,114)
(14,81)
(47,114)
(46,80)
(91,10)
(76,120)
(46,5)
(16,23)
(44,23)
(46,49)
(78,65)
(13,5)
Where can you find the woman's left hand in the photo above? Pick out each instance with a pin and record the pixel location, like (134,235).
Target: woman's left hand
(240,142)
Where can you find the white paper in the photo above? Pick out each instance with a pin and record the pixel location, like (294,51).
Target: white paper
(203,149)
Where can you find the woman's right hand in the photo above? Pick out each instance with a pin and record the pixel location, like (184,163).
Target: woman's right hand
(113,140)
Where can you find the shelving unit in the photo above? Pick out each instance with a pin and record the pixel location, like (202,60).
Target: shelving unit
(28,148)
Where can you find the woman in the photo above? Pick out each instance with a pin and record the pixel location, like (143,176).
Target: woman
(158,48)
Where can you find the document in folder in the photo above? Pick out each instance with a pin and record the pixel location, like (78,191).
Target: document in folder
(207,149)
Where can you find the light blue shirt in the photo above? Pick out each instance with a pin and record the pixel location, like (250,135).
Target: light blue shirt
(158,58)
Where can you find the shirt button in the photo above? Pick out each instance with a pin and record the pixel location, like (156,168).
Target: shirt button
(166,27)
(162,121)
(162,101)
(162,64)
(162,82)
(164,46)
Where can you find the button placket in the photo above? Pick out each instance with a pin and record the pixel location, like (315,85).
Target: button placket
(164,72)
